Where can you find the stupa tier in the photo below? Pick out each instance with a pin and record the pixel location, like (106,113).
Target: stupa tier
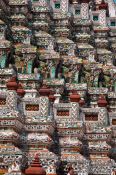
(57,87)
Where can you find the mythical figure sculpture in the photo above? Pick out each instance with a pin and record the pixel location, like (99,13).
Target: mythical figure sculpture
(70,171)
(15,167)
(101,79)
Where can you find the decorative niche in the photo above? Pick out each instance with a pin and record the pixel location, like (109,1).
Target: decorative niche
(77,11)
(2,101)
(32,107)
(62,112)
(113,24)
(91,117)
(57,5)
(95,17)
(113,121)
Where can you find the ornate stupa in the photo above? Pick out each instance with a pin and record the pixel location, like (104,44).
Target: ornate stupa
(58,87)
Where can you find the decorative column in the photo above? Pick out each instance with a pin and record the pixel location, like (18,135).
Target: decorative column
(44,92)
(74,99)
(64,6)
(103,7)
(11,99)
(11,127)
(85,10)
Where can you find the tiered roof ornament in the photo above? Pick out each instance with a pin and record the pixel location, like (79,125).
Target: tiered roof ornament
(35,168)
